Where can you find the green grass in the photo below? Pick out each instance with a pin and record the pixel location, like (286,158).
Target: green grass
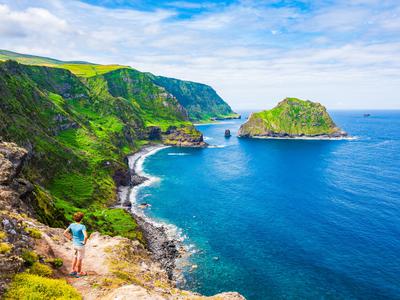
(292,116)
(41,270)
(89,70)
(33,232)
(33,287)
(30,257)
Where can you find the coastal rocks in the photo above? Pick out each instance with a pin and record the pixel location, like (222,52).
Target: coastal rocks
(227,133)
(187,136)
(292,118)
(163,248)
(154,133)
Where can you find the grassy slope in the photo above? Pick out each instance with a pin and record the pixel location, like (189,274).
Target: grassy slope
(292,116)
(200,100)
(79,135)
(160,109)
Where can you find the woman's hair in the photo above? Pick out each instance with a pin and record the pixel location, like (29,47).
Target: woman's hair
(78,216)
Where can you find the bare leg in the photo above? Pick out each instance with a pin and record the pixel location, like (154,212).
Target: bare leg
(79,266)
(74,263)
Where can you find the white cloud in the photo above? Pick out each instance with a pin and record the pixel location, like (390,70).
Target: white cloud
(252,54)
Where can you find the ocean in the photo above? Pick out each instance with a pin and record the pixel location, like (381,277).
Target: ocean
(287,219)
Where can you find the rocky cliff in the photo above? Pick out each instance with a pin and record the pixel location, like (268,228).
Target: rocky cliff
(292,118)
(78,132)
(201,101)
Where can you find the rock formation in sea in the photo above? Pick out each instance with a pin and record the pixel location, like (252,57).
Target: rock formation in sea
(292,118)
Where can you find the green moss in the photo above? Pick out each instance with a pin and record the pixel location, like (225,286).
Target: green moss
(34,287)
(5,248)
(30,257)
(33,232)
(41,270)
(55,262)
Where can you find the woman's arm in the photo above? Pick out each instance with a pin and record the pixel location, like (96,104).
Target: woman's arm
(86,237)
(67,234)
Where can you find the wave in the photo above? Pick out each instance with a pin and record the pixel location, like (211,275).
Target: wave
(178,154)
(216,146)
(136,162)
(173,232)
(207,138)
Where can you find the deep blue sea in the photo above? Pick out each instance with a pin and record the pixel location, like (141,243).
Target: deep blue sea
(288,219)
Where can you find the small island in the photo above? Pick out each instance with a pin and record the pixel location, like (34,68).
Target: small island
(292,118)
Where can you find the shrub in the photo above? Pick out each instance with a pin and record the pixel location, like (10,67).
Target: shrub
(28,287)
(55,262)
(3,235)
(5,248)
(33,232)
(41,270)
(29,257)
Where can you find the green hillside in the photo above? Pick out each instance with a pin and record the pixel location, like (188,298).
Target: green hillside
(33,59)
(78,132)
(290,118)
(201,101)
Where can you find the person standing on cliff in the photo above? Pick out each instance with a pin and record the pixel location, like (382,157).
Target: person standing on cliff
(76,232)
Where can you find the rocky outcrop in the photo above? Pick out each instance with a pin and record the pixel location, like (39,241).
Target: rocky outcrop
(201,101)
(292,118)
(12,188)
(227,133)
(187,136)
(13,236)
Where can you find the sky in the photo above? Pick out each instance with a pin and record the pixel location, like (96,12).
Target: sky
(344,54)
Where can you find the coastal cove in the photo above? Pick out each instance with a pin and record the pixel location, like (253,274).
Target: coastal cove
(278,219)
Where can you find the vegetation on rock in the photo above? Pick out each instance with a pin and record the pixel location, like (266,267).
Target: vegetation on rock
(41,270)
(201,101)
(30,286)
(78,132)
(292,117)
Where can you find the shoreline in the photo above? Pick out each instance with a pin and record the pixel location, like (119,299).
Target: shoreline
(163,240)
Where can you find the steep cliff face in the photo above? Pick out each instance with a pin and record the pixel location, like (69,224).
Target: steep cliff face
(201,101)
(155,101)
(15,193)
(78,132)
(292,117)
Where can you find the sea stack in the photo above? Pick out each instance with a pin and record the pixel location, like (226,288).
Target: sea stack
(292,118)
(227,133)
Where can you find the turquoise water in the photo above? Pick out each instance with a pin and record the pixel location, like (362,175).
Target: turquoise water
(285,219)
